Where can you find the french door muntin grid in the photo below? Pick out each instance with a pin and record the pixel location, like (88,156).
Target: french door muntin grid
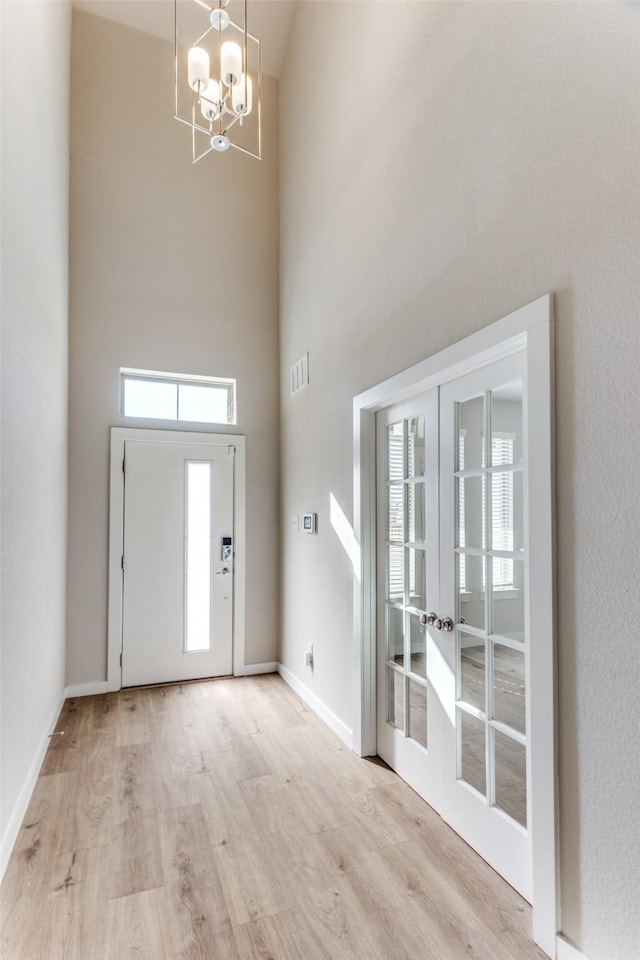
(490,639)
(405,515)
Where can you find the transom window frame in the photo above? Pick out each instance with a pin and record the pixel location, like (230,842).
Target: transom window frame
(179,379)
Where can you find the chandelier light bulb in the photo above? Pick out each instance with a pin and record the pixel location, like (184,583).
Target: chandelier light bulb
(198,68)
(210,100)
(231,62)
(242,103)
(220,142)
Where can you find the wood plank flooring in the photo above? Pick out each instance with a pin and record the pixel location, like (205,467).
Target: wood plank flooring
(223,821)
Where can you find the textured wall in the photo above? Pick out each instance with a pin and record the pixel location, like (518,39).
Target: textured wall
(35,178)
(441,165)
(173,267)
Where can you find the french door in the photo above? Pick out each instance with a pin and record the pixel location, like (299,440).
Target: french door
(178,561)
(453,683)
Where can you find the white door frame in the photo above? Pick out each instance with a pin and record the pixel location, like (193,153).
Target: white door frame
(529,329)
(119,435)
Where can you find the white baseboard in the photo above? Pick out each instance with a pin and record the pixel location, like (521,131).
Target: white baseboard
(566,950)
(329,717)
(86,689)
(101,686)
(252,669)
(20,809)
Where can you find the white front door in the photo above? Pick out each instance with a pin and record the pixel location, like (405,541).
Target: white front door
(452,644)
(177,621)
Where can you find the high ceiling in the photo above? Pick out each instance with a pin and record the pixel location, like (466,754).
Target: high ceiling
(267,19)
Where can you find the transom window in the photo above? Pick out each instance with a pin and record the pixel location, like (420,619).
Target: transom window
(149,394)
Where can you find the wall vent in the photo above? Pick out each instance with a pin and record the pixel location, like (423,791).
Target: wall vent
(300,374)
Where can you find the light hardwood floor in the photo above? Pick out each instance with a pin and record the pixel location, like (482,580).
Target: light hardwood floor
(223,821)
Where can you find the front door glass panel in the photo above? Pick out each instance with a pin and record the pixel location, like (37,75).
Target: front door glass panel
(197,567)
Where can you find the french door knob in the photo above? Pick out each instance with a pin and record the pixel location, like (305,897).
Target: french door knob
(429,618)
(435,621)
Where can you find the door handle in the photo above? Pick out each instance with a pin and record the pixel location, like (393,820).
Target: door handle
(223,572)
(439,623)
(429,618)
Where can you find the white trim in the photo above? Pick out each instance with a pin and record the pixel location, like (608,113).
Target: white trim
(22,803)
(540,597)
(528,329)
(254,669)
(566,950)
(240,555)
(178,377)
(116,530)
(329,717)
(86,689)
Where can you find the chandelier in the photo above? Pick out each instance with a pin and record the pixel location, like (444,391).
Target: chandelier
(218,77)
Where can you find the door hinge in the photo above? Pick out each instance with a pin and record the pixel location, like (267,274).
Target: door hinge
(231,450)
(120,659)
(122,562)
(124,465)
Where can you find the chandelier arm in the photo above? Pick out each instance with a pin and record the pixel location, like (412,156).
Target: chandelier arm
(259,155)
(236,117)
(236,146)
(175,59)
(197,42)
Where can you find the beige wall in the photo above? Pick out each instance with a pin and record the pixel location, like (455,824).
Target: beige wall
(173,267)
(34,240)
(441,165)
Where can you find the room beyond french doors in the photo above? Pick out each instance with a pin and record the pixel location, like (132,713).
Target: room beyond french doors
(453,652)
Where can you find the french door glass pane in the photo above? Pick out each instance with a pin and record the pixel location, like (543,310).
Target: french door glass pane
(509,692)
(395,635)
(395,452)
(507,599)
(472,671)
(470,512)
(418,712)
(471,434)
(511,777)
(418,640)
(507,524)
(395,698)
(471,590)
(395,569)
(472,751)
(417,532)
(395,512)
(415,447)
(417,577)
(506,424)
